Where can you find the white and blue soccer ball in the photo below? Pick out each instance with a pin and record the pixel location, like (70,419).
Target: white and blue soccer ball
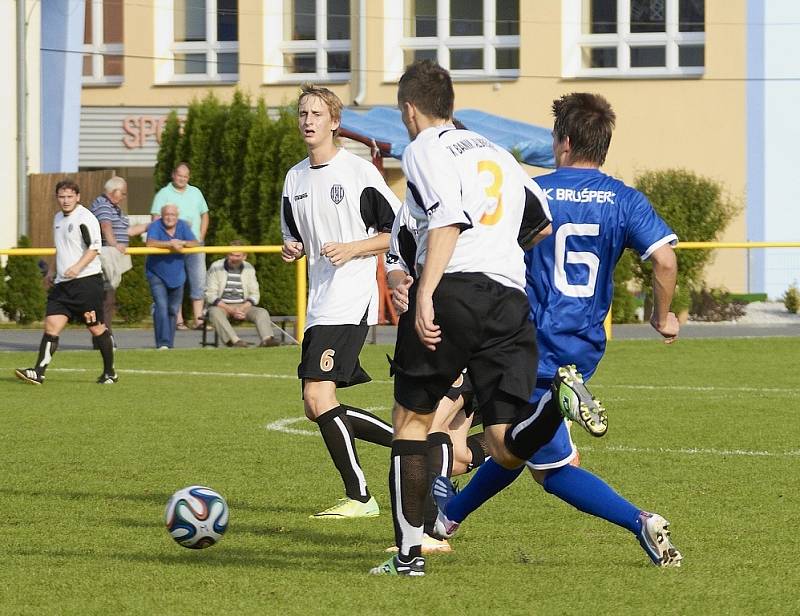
(196,517)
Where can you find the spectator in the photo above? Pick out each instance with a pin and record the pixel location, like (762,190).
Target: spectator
(166,273)
(193,209)
(116,233)
(232,293)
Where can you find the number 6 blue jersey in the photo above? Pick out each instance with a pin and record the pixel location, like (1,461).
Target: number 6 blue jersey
(570,274)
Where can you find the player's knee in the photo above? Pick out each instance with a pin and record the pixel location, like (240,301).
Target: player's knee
(539,476)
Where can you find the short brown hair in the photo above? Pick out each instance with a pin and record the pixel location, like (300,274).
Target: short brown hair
(588,120)
(332,102)
(428,87)
(69,185)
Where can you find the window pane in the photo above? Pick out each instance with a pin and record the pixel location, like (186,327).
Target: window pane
(466,59)
(507,18)
(304,17)
(466,18)
(112,21)
(648,16)
(113,66)
(691,55)
(227,20)
(190,63)
(420,18)
(507,58)
(599,57)
(87,26)
(412,55)
(691,16)
(338,20)
(190,20)
(339,62)
(300,62)
(602,17)
(648,56)
(227,63)
(87,65)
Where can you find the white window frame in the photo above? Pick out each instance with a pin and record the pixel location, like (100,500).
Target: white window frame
(167,47)
(396,43)
(277,42)
(98,49)
(574,41)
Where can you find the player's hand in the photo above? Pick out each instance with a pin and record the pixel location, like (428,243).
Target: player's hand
(669,328)
(338,253)
(291,251)
(400,295)
(428,332)
(72,272)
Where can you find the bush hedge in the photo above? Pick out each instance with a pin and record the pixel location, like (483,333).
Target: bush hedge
(25,294)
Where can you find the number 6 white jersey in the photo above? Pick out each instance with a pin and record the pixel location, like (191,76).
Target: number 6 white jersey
(458,177)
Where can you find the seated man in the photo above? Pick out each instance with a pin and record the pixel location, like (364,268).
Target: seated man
(232,293)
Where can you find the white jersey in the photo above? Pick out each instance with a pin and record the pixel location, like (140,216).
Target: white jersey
(344,200)
(73,235)
(458,177)
(403,243)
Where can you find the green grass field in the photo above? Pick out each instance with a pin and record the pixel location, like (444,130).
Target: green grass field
(703,432)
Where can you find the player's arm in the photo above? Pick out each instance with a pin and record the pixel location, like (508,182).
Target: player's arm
(340,253)
(293,247)
(665,275)
(90,233)
(441,244)
(536,217)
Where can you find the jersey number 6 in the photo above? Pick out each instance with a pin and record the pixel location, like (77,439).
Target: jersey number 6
(564,256)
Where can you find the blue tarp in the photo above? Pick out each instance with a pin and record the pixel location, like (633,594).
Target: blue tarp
(533,144)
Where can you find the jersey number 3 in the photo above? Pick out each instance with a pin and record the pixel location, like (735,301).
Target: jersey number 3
(564,257)
(492,191)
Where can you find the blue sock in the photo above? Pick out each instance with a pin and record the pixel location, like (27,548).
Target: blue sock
(592,495)
(489,479)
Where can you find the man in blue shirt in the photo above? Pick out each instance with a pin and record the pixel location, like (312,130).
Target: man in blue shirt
(166,273)
(570,286)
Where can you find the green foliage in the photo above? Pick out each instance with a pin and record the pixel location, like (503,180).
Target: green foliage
(167,151)
(715,305)
(234,151)
(747,298)
(697,210)
(791,299)
(624,304)
(133,294)
(25,296)
(2,285)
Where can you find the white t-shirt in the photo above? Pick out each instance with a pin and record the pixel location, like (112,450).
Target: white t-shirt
(458,177)
(344,200)
(71,241)
(403,243)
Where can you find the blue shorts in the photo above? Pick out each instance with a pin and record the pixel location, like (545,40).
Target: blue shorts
(560,450)
(196,274)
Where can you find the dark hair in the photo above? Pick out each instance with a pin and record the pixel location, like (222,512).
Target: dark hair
(428,87)
(588,120)
(182,164)
(69,185)
(238,242)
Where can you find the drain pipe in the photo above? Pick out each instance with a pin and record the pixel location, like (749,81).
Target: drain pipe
(22,122)
(362,53)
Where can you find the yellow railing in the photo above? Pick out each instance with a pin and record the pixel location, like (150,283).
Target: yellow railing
(300,264)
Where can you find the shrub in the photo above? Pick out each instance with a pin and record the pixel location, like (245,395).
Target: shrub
(25,295)
(715,305)
(133,294)
(624,305)
(791,299)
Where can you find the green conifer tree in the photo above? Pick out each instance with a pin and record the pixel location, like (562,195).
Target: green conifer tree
(167,151)
(234,149)
(133,295)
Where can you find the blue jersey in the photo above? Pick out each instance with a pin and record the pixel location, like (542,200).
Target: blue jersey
(570,274)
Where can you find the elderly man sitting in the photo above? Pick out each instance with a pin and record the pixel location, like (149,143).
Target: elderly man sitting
(232,293)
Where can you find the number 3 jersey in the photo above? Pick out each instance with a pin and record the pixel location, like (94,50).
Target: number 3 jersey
(344,200)
(457,177)
(570,274)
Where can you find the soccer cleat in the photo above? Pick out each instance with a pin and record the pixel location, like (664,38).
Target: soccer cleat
(29,375)
(430,545)
(443,491)
(654,539)
(107,379)
(395,566)
(576,402)
(346,508)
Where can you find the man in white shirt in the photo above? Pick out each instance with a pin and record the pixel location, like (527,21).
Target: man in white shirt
(338,211)
(78,285)
(475,210)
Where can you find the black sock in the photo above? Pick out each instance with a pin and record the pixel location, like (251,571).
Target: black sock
(369,427)
(105,345)
(477,446)
(338,436)
(408,484)
(47,348)
(440,462)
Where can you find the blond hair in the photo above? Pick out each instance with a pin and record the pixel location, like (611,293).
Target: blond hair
(332,102)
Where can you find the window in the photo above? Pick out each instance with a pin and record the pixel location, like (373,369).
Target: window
(634,38)
(205,35)
(474,39)
(103,62)
(310,41)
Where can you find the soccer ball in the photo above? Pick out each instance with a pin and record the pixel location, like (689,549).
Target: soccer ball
(196,517)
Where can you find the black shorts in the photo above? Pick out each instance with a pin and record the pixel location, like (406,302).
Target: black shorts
(485,328)
(330,353)
(80,299)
